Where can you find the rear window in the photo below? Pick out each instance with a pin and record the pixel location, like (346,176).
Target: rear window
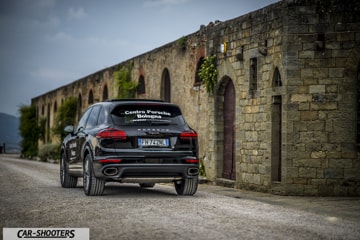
(147,114)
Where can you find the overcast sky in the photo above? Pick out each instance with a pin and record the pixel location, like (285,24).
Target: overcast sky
(45,44)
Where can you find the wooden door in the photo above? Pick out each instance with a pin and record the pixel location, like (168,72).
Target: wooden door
(229,132)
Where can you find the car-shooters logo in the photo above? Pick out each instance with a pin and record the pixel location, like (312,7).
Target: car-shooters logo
(46,233)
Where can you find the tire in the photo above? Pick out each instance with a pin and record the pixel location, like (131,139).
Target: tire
(93,186)
(147,185)
(187,186)
(66,180)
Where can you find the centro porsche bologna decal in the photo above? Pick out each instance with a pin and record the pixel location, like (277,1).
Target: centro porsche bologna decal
(148,114)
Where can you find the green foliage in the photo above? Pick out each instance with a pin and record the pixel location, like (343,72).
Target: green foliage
(181,42)
(42,129)
(202,168)
(208,73)
(126,87)
(29,130)
(49,151)
(65,115)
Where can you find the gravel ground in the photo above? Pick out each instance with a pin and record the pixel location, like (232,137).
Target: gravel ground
(31,196)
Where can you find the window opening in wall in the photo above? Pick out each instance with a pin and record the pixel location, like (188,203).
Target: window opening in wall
(198,66)
(276,132)
(141,85)
(277,78)
(91,97)
(79,106)
(358,111)
(105,93)
(48,124)
(165,91)
(253,76)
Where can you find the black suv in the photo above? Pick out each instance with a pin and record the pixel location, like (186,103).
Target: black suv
(134,141)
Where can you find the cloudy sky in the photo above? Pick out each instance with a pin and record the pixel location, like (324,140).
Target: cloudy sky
(45,44)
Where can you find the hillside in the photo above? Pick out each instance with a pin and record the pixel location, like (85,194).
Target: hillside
(9,132)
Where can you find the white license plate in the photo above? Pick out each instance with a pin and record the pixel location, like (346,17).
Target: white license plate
(153,142)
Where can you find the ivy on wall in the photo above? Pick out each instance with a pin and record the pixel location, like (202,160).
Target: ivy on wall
(208,73)
(126,87)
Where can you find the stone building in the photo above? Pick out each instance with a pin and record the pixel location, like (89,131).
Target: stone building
(284,116)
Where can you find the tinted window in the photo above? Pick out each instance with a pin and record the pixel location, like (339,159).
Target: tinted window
(146,114)
(92,121)
(83,119)
(101,118)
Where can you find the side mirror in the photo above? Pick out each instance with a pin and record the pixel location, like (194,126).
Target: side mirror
(69,129)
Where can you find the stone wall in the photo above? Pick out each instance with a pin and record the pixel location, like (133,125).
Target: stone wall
(295,68)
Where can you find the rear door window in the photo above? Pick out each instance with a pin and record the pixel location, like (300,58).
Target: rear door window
(147,114)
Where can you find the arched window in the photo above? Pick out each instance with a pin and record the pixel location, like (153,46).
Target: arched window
(105,93)
(55,107)
(79,106)
(276,130)
(165,90)
(141,85)
(277,78)
(198,66)
(91,97)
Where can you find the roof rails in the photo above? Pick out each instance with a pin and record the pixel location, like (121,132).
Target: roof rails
(132,100)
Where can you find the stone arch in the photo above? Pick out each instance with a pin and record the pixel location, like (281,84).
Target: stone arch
(105,94)
(165,91)
(276,80)
(198,66)
(79,106)
(141,85)
(276,130)
(91,97)
(225,115)
(48,123)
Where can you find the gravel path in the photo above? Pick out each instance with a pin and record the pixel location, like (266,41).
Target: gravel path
(31,196)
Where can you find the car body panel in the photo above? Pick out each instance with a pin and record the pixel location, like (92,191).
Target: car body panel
(153,150)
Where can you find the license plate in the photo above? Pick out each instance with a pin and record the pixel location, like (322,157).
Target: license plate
(153,142)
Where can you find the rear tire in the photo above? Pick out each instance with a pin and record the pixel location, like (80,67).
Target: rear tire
(93,186)
(66,180)
(187,186)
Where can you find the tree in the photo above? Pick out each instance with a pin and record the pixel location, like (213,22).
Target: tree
(126,87)
(29,130)
(65,115)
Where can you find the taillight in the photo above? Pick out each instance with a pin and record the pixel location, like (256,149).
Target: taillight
(110,161)
(192,160)
(112,133)
(188,134)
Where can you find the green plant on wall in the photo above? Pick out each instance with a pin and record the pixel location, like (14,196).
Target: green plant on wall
(181,42)
(126,87)
(208,73)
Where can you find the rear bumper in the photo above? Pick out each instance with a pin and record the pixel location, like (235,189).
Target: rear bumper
(141,170)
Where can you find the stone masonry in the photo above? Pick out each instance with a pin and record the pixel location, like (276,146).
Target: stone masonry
(295,69)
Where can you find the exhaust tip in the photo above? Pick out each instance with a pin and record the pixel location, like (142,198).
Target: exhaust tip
(111,171)
(193,171)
